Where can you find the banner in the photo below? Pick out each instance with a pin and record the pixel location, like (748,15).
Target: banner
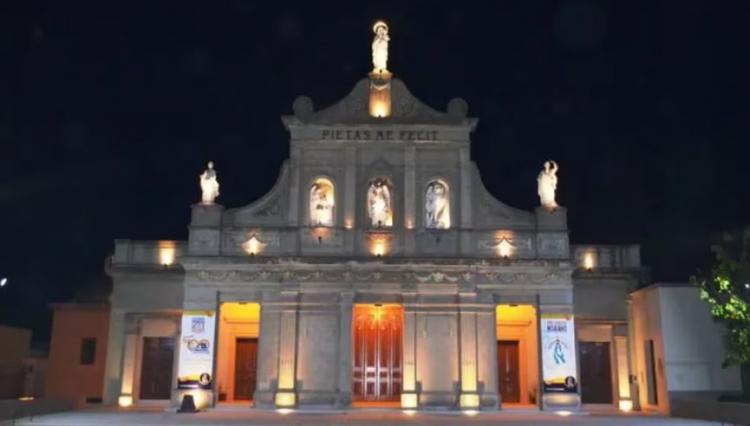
(196,350)
(559,371)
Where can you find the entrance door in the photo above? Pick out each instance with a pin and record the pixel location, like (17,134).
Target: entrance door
(245,368)
(377,352)
(507,370)
(596,375)
(156,367)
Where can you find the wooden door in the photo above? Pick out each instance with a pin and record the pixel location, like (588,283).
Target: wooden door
(508,371)
(156,367)
(596,375)
(377,353)
(245,368)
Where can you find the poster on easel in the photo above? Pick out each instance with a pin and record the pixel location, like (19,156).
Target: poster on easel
(196,350)
(559,371)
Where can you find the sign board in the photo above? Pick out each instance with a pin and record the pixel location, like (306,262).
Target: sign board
(196,350)
(559,371)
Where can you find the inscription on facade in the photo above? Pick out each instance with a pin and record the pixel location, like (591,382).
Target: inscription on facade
(378,135)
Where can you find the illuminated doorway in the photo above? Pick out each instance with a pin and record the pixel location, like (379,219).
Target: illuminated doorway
(377,353)
(237,356)
(517,354)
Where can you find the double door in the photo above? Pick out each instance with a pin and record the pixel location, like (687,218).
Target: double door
(377,364)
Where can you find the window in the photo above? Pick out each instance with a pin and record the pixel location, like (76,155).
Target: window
(437,205)
(88,350)
(322,203)
(379,205)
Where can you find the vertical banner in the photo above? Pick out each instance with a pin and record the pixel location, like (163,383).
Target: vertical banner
(559,370)
(196,350)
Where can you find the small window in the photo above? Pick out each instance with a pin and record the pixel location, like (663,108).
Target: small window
(88,351)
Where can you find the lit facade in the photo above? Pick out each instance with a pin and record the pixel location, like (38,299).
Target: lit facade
(377,270)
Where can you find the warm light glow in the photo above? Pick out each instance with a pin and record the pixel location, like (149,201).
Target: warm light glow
(236,311)
(380,108)
(409,224)
(409,400)
(253,246)
(626,405)
(379,247)
(200,398)
(125,401)
(410,412)
(504,248)
(285,399)
(26,398)
(470,400)
(348,224)
(284,411)
(563,413)
(167,252)
(588,261)
(471,412)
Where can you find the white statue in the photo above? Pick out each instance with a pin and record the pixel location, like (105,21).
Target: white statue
(379,204)
(209,184)
(380,48)
(321,203)
(437,206)
(547,182)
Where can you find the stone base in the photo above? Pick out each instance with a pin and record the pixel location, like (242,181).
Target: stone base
(561,402)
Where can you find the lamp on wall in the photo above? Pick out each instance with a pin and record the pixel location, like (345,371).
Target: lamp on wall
(253,246)
(167,251)
(589,261)
(504,248)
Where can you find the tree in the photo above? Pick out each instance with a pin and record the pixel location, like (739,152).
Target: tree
(727,291)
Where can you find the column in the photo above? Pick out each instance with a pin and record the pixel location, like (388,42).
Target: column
(465,200)
(469,399)
(128,365)
(487,352)
(409,392)
(115,346)
(344,398)
(410,198)
(286,396)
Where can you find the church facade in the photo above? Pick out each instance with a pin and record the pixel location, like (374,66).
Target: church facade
(377,271)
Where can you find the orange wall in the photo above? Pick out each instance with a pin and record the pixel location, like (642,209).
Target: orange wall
(66,377)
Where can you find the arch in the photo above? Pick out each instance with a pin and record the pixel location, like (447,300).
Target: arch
(322,202)
(437,205)
(380,203)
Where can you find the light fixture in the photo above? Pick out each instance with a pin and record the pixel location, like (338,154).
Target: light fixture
(588,261)
(563,413)
(253,246)
(504,248)
(167,251)
(284,411)
(410,412)
(626,405)
(3,281)
(125,401)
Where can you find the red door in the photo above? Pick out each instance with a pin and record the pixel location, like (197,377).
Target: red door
(245,368)
(507,370)
(377,352)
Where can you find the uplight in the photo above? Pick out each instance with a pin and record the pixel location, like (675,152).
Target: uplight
(563,413)
(470,412)
(626,405)
(125,401)
(284,411)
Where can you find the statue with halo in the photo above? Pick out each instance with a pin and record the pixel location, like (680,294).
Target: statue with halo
(547,185)
(380,48)
(209,184)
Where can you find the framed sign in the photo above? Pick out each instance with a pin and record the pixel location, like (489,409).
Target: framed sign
(559,370)
(196,350)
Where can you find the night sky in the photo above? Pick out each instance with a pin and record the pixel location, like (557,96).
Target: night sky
(109,111)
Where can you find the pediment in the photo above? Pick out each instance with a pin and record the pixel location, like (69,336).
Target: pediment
(270,209)
(354,109)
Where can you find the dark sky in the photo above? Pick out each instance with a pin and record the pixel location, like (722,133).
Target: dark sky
(109,110)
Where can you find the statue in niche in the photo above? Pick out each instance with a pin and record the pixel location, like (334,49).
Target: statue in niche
(209,184)
(547,182)
(380,48)
(437,206)
(321,203)
(379,204)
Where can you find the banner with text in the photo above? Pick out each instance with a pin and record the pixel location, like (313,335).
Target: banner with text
(196,350)
(559,370)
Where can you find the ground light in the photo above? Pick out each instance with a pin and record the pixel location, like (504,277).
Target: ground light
(470,412)
(563,413)
(626,405)
(284,411)
(410,412)
(125,401)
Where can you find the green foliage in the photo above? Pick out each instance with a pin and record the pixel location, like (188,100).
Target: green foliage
(727,292)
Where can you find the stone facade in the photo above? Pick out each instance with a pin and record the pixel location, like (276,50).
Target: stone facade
(308,278)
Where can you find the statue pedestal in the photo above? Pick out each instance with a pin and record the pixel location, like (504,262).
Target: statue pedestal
(380,94)
(205,230)
(554,220)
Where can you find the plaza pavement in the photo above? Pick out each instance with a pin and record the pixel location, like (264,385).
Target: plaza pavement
(229,417)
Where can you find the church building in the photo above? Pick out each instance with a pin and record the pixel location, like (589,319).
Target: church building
(378,271)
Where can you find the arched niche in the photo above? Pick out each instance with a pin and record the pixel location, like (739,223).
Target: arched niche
(437,205)
(380,203)
(322,202)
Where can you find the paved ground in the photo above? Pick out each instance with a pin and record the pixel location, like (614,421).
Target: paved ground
(359,417)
